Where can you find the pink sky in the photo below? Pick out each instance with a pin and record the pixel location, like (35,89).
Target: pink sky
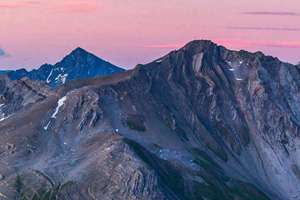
(127,32)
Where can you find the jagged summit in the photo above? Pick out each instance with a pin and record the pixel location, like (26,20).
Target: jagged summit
(79,64)
(204,44)
(80,56)
(79,52)
(203,122)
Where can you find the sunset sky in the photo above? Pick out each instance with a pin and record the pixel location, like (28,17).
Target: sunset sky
(128,32)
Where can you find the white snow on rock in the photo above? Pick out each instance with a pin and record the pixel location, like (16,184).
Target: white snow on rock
(159,61)
(231,69)
(62,78)
(239,79)
(60,103)
(2,118)
(47,126)
(48,78)
(1,105)
(197,62)
(58,77)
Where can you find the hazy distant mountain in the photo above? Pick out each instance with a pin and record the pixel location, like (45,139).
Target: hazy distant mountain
(201,123)
(79,64)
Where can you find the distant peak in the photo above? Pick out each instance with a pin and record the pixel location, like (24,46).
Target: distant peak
(77,53)
(79,50)
(200,43)
(197,46)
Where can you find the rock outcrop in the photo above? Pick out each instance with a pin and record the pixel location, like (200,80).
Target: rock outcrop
(203,122)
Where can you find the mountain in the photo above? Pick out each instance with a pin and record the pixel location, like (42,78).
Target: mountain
(79,64)
(201,123)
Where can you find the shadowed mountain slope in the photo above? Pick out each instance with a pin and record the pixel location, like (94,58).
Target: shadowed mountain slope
(202,122)
(79,64)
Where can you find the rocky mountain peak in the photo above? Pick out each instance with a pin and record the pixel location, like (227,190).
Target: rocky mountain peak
(79,64)
(79,50)
(79,56)
(200,46)
(202,122)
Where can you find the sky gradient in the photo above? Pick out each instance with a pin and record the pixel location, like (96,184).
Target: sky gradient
(128,32)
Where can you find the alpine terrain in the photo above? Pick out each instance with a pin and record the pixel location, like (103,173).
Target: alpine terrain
(201,123)
(79,64)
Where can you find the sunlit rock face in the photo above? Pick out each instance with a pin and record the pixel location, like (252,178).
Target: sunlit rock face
(202,122)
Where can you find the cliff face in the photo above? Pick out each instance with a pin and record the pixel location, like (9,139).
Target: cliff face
(202,122)
(19,95)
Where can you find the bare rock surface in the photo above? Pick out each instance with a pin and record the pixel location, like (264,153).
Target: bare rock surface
(202,122)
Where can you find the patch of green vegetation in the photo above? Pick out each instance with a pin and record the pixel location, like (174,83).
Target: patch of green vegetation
(218,150)
(136,122)
(182,134)
(25,192)
(246,191)
(233,189)
(203,159)
(216,186)
(168,174)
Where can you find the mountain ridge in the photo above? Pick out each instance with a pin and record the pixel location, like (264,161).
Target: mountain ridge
(202,122)
(78,64)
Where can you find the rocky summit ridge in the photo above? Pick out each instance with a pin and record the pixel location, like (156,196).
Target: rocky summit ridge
(202,122)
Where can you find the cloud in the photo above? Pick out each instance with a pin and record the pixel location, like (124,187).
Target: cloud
(290,45)
(2,53)
(240,44)
(257,28)
(66,6)
(78,6)
(17,5)
(272,13)
(258,44)
(162,46)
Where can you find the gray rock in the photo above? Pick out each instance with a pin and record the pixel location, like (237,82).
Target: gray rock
(203,122)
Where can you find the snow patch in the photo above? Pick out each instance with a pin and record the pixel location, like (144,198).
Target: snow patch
(47,126)
(231,69)
(48,78)
(159,61)
(234,115)
(239,79)
(60,103)
(197,62)
(4,118)
(62,78)
(1,105)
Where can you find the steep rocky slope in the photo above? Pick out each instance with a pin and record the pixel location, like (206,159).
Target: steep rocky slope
(20,94)
(202,122)
(79,64)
